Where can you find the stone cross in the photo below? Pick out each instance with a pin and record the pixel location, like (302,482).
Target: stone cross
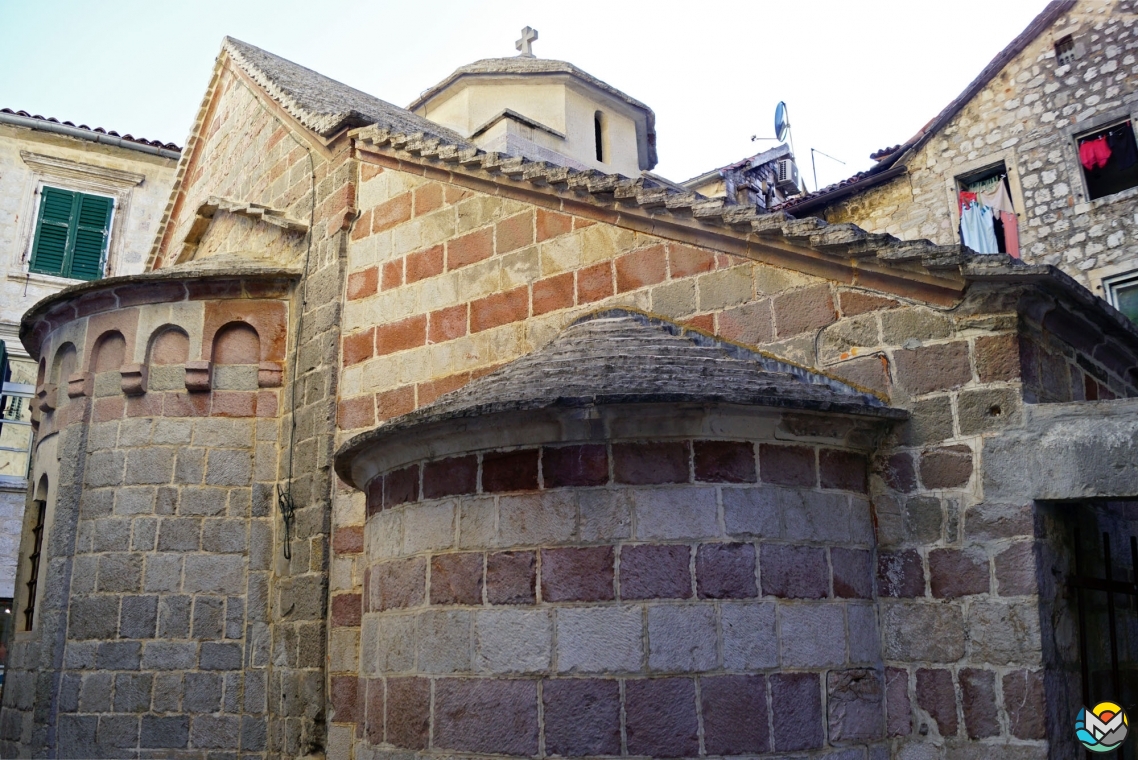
(528,36)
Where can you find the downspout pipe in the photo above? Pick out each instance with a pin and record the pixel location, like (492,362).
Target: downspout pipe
(84,134)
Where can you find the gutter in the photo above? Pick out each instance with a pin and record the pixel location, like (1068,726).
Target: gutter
(84,134)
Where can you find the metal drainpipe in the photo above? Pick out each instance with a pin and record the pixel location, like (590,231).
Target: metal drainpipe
(83,134)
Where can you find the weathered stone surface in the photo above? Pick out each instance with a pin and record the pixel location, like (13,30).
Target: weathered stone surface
(491,716)
(853,705)
(660,715)
(929,632)
(796,707)
(582,717)
(734,709)
(599,639)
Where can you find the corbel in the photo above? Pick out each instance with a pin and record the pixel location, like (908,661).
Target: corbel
(80,384)
(133,379)
(269,375)
(199,376)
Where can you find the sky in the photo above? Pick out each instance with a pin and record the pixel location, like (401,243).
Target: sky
(856,75)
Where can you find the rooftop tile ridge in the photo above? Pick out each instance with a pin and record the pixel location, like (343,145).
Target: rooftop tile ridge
(842,241)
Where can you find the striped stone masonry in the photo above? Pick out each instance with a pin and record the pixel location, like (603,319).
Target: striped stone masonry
(668,598)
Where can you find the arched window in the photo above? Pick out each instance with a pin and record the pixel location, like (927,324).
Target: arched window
(38,515)
(599,134)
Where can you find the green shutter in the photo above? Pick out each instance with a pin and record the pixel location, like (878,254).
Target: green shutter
(52,231)
(71,234)
(91,233)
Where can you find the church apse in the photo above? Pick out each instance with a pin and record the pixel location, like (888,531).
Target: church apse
(150,553)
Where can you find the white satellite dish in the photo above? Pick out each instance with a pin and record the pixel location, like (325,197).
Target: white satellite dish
(781,121)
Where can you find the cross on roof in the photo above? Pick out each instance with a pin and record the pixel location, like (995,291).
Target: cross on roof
(524,44)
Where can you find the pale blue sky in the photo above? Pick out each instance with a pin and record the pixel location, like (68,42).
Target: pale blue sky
(857,76)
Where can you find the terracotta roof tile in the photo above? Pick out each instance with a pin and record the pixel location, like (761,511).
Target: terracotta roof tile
(96,130)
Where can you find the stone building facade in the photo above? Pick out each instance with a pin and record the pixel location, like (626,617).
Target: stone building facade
(36,153)
(400,447)
(1072,73)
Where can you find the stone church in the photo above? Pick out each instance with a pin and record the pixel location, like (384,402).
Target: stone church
(448,431)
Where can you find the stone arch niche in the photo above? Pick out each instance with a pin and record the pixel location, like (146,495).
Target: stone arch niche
(661,552)
(63,365)
(166,358)
(106,362)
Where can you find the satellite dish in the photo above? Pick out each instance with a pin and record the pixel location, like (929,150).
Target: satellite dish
(781,121)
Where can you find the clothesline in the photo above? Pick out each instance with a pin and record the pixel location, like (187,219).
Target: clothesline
(985,185)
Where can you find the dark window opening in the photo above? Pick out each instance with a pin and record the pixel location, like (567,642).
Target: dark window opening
(1065,50)
(1109,158)
(1102,601)
(34,561)
(598,135)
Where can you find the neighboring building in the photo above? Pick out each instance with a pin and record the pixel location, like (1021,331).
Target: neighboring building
(75,204)
(765,180)
(622,470)
(1069,79)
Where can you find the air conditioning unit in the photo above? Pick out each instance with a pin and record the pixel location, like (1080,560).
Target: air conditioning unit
(787,178)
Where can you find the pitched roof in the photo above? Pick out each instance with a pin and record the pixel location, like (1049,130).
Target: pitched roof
(524,65)
(898,156)
(94,130)
(751,162)
(322,104)
(619,356)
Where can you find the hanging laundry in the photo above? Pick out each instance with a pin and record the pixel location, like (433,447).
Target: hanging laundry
(997,199)
(977,230)
(1094,153)
(985,185)
(1120,140)
(1011,233)
(965,198)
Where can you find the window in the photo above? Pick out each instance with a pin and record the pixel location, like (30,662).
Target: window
(599,135)
(1109,158)
(39,509)
(1065,51)
(1122,292)
(16,392)
(988,220)
(71,234)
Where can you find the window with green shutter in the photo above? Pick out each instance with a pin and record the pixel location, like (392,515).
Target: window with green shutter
(72,234)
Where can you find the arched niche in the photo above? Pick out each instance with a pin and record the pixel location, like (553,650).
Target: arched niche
(107,359)
(166,358)
(236,357)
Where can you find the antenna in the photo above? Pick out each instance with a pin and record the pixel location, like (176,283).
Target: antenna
(815,167)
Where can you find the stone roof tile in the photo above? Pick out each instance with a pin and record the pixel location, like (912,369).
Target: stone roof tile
(618,356)
(322,104)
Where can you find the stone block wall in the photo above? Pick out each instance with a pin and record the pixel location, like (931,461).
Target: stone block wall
(157,457)
(446,283)
(666,598)
(312,182)
(1027,116)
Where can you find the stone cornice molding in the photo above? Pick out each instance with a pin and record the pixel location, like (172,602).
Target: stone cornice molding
(62,167)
